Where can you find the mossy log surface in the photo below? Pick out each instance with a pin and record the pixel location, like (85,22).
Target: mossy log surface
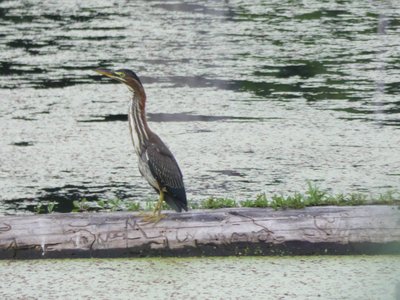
(233,231)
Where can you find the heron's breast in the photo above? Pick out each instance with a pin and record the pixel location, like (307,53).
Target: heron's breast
(134,135)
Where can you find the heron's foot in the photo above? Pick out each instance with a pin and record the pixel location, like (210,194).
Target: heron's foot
(153,217)
(156,216)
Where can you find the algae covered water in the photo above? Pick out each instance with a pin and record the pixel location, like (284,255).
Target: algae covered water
(328,277)
(251,97)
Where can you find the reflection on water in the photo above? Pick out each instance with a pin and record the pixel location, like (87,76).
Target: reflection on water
(171,117)
(251,97)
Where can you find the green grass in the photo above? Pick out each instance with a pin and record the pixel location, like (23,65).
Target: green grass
(313,196)
(214,203)
(105,205)
(45,208)
(260,201)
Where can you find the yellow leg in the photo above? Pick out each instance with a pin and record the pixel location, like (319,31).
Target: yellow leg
(156,215)
(157,208)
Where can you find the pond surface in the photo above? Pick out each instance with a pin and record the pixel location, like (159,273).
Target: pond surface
(250,97)
(329,277)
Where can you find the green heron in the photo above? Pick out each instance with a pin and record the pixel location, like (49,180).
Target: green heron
(156,162)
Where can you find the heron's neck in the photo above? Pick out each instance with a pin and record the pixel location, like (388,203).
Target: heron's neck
(140,131)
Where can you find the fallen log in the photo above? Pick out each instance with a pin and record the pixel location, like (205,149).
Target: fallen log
(233,231)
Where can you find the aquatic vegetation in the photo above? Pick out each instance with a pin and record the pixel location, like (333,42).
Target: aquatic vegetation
(105,205)
(42,208)
(82,205)
(260,201)
(312,196)
(51,206)
(150,204)
(213,203)
(280,201)
(134,206)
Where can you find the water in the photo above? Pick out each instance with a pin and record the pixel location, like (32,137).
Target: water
(313,277)
(249,97)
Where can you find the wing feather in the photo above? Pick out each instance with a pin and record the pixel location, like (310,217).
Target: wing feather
(165,170)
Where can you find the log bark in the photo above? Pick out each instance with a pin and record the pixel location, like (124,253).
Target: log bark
(234,231)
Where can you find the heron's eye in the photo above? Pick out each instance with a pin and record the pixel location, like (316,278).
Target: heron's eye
(120,74)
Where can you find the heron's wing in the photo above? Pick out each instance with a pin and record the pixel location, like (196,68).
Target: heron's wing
(165,170)
(163,166)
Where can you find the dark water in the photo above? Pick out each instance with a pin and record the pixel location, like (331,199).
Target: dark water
(250,97)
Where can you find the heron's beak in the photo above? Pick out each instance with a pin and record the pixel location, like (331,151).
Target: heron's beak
(110,74)
(105,72)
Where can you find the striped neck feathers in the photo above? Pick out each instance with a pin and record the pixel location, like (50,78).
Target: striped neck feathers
(138,123)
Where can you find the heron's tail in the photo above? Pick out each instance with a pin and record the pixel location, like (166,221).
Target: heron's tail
(176,199)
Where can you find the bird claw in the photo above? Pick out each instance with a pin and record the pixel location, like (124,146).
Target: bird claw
(153,218)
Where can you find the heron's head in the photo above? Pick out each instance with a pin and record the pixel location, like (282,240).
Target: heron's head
(125,76)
